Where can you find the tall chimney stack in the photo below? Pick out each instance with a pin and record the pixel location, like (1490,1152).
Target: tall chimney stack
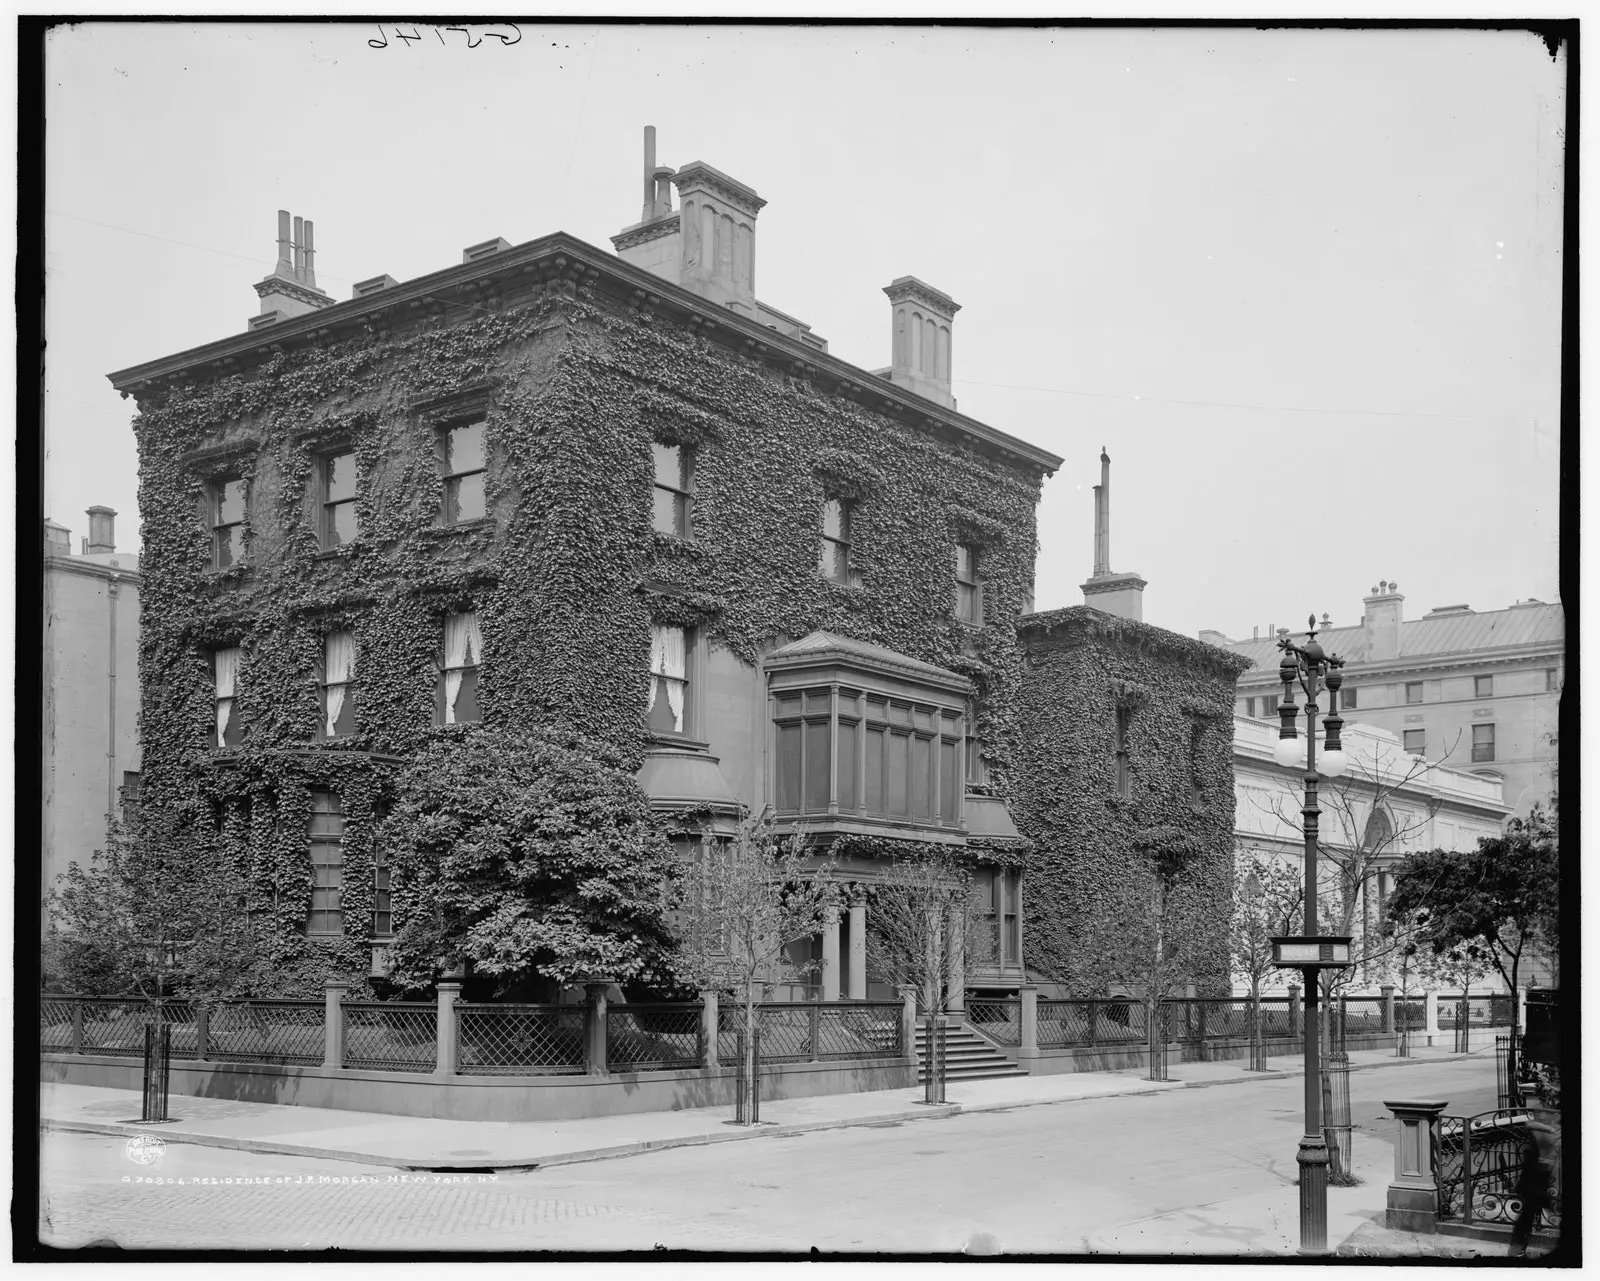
(291,290)
(102,533)
(655,242)
(921,318)
(1119,594)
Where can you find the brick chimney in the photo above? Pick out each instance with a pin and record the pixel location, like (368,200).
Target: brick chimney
(921,317)
(291,290)
(1382,621)
(102,533)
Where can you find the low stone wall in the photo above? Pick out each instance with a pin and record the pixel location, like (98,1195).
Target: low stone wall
(1113,1058)
(482,1098)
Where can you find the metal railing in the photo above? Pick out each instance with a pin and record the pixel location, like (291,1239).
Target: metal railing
(268,1031)
(999,1020)
(1478,1165)
(391,1036)
(806,1031)
(643,1038)
(520,1040)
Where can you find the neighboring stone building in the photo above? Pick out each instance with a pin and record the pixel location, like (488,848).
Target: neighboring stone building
(618,494)
(91,689)
(1389,804)
(1475,691)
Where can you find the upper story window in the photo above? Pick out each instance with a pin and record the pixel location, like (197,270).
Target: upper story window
(1269,705)
(833,556)
(1348,697)
(977,767)
(1482,743)
(1552,681)
(458,673)
(1249,707)
(337,498)
(229,510)
(674,489)
(327,865)
(669,679)
(1413,691)
(1124,772)
(1416,740)
(894,760)
(1483,686)
(1197,747)
(338,691)
(461,463)
(969,586)
(225,665)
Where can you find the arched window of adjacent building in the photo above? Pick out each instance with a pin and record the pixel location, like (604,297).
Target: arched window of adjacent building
(1379,831)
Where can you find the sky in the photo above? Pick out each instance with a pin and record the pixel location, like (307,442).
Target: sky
(1302,285)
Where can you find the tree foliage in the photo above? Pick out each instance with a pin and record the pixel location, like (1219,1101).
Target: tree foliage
(1495,904)
(529,854)
(1269,902)
(155,914)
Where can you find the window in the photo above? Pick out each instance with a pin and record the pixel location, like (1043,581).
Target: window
(1413,691)
(1249,707)
(327,865)
(1269,705)
(1552,684)
(969,588)
(1416,740)
(338,497)
(1347,697)
(999,893)
(229,511)
(338,694)
(669,680)
(225,663)
(1124,775)
(1482,743)
(1483,686)
(977,767)
(458,673)
(896,759)
(462,464)
(833,558)
(674,489)
(1197,747)
(382,903)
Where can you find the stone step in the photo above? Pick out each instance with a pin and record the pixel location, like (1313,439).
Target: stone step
(967,1056)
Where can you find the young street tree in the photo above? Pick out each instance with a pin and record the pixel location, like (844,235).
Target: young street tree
(743,904)
(153,915)
(1269,902)
(1495,905)
(925,923)
(530,855)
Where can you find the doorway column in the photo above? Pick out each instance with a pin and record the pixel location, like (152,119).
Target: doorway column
(858,949)
(830,952)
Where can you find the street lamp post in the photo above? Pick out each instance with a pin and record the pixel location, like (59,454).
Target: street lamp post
(1312,669)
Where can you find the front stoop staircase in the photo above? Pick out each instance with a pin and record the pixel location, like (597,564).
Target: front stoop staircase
(968,1056)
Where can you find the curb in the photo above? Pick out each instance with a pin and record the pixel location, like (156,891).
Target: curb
(270,1147)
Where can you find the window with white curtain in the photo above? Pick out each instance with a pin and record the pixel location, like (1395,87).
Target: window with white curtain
(338,692)
(225,664)
(669,679)
(458,673)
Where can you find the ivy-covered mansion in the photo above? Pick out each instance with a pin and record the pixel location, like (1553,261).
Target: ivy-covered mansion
(615,495)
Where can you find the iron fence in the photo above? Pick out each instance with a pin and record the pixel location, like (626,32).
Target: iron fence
(1410,1013)
(803,1031)
(391,1036)
(654,1037)
(999,1020)
(60,1024)
(520,1040)
(268,1031)
(1112,1021)
(1361,1015)
(113,1025)
(1478,1165)
(859,1030)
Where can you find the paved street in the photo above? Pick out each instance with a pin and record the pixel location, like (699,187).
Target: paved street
(1186,1171)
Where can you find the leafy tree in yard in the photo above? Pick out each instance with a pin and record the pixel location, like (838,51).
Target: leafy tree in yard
(1269,902)
(743,903)
(528,855)
(1493,905)
(153,915)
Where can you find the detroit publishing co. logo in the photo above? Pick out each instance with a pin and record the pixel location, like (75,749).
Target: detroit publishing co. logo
(145,1149)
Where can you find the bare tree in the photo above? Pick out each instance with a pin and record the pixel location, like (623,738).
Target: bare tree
(926,923)
(1269,900)
(744,902)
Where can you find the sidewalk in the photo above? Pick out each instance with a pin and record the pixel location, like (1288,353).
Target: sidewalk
(425,1143)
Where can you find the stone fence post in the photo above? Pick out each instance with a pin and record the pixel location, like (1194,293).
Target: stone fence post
(1028,1041)
(1430,1015)
(1386,991)
(709,1024)
(595,1027)
(445,1040)
(908,1021)
(333,991)
(1413,1202)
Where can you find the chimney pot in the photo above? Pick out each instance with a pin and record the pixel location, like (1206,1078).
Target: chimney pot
(102,535)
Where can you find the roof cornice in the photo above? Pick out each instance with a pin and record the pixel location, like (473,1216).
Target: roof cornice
(565,255)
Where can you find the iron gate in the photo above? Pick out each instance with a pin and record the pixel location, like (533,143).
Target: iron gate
(1478,1163)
